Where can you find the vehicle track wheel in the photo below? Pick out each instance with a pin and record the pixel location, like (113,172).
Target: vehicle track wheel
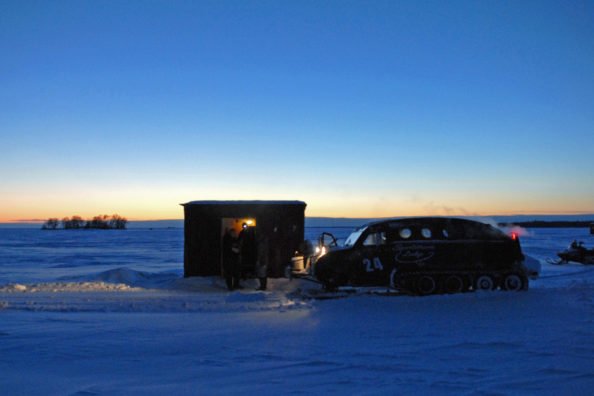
(512,282)
(426,285)
(334,281)
(329,285)
(484,282)
(453,284)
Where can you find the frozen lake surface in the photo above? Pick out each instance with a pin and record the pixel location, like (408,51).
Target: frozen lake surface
(108,312)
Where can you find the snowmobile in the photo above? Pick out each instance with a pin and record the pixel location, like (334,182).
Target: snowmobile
(427,255)
(578,253)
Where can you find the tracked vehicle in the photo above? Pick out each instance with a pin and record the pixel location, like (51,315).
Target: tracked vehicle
(425,256)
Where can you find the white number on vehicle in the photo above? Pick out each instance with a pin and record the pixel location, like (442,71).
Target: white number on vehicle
(373,265)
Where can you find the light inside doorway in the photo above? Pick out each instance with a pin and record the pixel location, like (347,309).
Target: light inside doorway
(236,223)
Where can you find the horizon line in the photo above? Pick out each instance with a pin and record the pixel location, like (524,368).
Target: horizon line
(40,221)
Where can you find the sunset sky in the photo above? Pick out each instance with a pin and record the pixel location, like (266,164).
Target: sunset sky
(359,108)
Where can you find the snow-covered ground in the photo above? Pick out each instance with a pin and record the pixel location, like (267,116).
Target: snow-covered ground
(107,312)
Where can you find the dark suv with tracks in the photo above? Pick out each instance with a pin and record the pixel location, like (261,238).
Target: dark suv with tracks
(426,255)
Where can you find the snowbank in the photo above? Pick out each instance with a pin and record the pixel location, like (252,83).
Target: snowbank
(61,287)
(127,290)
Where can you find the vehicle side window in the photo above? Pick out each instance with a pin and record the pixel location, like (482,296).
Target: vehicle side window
(375,239)
(405,233)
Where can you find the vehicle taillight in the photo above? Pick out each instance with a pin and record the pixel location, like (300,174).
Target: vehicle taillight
(514,236)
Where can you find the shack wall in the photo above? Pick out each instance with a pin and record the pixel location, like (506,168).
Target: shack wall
(282,223)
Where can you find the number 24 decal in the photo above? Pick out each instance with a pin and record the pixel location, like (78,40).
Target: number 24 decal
(373,265)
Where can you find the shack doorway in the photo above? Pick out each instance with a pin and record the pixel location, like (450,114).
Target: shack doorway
(245,229)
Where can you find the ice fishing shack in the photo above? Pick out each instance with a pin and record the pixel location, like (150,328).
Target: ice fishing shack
(205,222)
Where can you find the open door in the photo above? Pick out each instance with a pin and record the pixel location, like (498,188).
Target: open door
(245,227)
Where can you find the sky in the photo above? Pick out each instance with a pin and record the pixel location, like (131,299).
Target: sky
(359,108)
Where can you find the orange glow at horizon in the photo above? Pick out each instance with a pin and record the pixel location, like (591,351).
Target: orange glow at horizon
(168,208)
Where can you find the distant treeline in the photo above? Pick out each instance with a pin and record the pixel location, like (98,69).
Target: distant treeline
(102,222)
(549,224)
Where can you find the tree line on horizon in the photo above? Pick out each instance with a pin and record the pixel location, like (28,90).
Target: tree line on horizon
(102,222)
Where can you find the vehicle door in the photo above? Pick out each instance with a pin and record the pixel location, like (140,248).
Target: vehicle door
(374,259)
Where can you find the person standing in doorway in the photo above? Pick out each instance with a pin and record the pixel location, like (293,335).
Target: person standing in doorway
(231,259)
(262,260)
(248,249)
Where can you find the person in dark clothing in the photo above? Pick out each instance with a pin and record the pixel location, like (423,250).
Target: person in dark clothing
(262,261)
(231,270)
(248,249)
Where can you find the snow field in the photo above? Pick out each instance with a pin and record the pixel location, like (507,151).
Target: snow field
(144,330)
(533,342)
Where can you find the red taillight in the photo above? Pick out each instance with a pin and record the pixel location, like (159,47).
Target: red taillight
(514,236)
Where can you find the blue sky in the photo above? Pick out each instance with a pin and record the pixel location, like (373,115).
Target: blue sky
(379,108)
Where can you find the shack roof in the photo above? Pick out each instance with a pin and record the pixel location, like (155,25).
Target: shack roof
(301,203)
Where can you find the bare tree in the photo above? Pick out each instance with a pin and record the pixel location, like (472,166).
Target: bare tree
(103,222)
(100,222)
(66,223)
(76,222)
(118,222)
(50,224)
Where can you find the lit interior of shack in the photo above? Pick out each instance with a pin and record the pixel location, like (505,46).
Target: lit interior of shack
(233,223)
